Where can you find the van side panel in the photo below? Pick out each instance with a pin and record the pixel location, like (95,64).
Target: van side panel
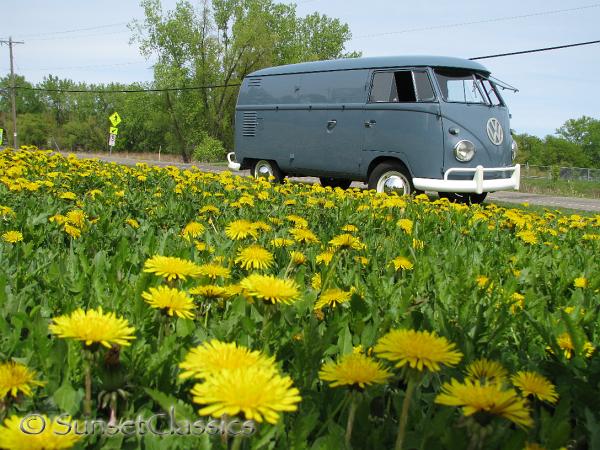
(264,118)
(330,121)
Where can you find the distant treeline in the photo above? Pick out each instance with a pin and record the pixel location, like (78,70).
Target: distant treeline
(575,144)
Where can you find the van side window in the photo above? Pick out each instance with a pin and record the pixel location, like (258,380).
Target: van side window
(424,88)
(401,87)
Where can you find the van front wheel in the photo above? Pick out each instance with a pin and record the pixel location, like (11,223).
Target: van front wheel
(391,177)
(265,169)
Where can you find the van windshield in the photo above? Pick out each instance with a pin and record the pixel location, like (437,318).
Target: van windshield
(463,86)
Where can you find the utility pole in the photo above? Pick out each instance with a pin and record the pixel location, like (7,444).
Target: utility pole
(13,89)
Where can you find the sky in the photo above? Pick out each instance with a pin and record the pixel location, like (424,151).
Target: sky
(554,86)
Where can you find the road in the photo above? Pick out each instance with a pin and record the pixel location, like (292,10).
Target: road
(583,204)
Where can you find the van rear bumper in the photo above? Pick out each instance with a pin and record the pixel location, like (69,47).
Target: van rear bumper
(476,185)
(231,161)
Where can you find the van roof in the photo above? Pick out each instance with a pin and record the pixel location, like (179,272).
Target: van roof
(372,63)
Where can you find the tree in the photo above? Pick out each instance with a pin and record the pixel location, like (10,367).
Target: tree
(219,44)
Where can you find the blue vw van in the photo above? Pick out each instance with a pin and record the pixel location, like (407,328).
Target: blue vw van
(402,124)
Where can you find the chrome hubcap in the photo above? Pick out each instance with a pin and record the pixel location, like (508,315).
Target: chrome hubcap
(263,170)
(393,182)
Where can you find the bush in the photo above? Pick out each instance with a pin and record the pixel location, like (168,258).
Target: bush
(210,149)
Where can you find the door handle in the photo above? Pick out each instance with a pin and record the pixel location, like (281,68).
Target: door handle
(370,123)
(331,124)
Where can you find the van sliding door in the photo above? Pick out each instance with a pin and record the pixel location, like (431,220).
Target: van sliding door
(329,119)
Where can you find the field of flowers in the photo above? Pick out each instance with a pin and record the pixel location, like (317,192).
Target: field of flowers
(330,319)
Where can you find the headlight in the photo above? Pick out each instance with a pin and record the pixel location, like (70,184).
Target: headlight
(514,148)
(464,151)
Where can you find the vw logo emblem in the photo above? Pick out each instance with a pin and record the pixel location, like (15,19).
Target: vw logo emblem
(494,131)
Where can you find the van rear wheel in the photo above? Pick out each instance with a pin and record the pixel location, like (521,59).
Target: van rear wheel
(335,182)
(265,169)
(391,177)
(470,198)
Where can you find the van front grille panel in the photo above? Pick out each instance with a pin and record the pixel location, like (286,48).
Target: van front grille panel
(249,124)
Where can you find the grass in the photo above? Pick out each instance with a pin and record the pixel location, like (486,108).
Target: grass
(567,188)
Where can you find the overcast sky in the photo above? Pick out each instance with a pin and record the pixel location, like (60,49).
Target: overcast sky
(554,86)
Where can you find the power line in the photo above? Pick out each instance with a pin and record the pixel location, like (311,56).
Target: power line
(49,33)
(477,22)
(220,86)
(545,49)
(129,91)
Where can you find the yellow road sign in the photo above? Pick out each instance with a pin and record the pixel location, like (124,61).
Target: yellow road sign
(113,130)
(115,119)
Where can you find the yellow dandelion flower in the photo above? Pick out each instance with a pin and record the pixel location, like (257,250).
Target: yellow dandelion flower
(43,433)
(254,257)
(241,229)
(263,226)
(406,225)
(281,242)
(297,258)
(233,289)
(259,393)
(192,230)
(7,211)
(350,228)
(172,300)
(210,291)
(16,377)
(213,356)
(171,267)
(531,383)
(315,281)
(132,223)
(419,349)
(72,231)
(332,298)
(402,263)
(213,271)
(210,209)
(488,398)
(93,326)
(57,218)
(482,281)
(270,289)
(418,244)
(484,369)
(304,235)
(518,302)
(527,236)
(299,222)
(580,282)
(12,237)
(68,196)
(566,344)
(325,257)
(354,370)
(588,349)
(76,218)
(347,241)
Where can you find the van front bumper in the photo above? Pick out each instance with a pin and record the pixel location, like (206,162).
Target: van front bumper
(475,185)
(231,162)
